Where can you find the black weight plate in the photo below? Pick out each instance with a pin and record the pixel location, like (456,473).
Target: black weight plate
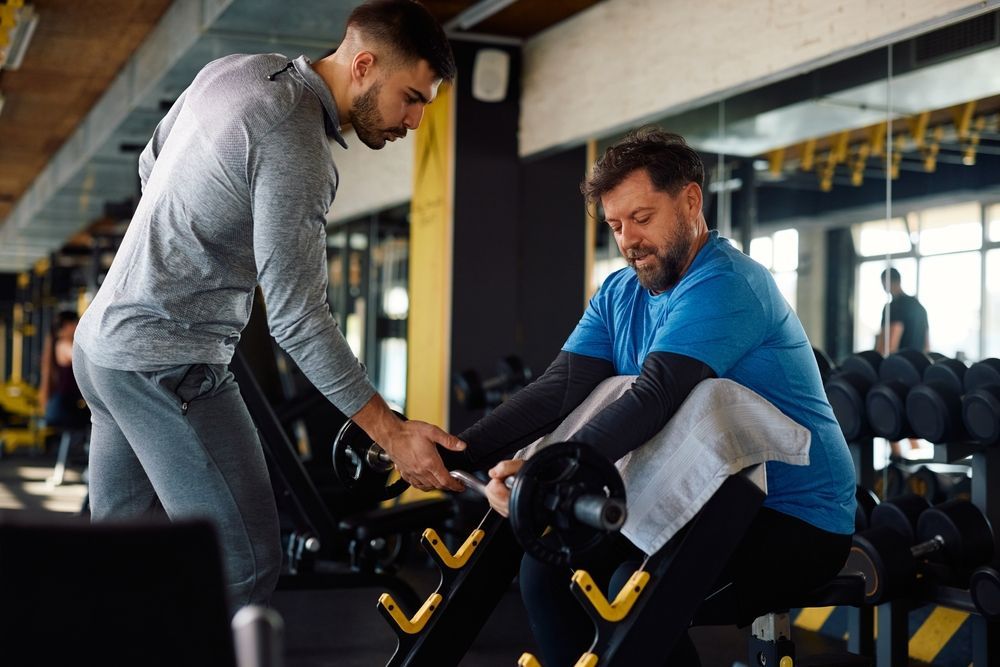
(886,407)
(950,372)
(983,374)
(984,585)
(900,515)
(824,363)
(846,393)
(883,559)
(866,502)
(906,366)
(981,414)
(348,453)
(934,410)
(865,364)
(542,497)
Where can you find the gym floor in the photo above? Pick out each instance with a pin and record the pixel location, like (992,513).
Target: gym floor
(342,627)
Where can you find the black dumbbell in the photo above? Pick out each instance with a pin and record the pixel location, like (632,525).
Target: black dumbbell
(935,486)
(981,403)
(867,501)
(954,536)
(474,393)
(825,364)
(984,588)
(846,390)
(886,401)
(569,493)
(934,407)
(890,481)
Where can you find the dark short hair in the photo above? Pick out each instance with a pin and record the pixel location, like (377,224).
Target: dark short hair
(893,274)
(409,29)
(668,159)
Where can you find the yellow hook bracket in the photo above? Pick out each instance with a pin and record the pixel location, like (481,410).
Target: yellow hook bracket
(410,626)
(528,660)
(460,557)
(619,609)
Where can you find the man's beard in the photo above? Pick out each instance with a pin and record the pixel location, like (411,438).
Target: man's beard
(665,272)
(367,121)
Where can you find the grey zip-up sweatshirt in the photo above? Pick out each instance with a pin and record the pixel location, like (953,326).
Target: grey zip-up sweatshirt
(236,182)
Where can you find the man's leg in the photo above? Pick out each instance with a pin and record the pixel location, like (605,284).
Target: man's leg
(781,557)
(196,442)
(118,486)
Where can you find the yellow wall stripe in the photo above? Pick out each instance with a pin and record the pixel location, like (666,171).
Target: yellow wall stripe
(590,233)
(431,210)
(813,618)
(935,632)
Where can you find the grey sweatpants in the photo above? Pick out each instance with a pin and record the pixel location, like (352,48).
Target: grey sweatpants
(181,441)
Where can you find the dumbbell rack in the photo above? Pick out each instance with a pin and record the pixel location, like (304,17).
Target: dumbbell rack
(890,648)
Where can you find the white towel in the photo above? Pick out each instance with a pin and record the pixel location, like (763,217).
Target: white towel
(721,429)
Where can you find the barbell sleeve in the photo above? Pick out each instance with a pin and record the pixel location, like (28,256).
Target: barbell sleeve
(600,512)
(594,510)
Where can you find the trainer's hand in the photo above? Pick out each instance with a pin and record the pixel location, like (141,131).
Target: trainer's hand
(412,445)
(496,491)
(413,448)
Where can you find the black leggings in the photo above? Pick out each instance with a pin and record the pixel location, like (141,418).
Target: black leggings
(779,556)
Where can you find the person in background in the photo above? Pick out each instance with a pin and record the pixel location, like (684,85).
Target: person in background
(904,327)
(58,393)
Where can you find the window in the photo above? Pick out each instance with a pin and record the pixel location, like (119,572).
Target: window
(944,269)
(950,229)
(950,291)
(880,237)
(991,305)
(779,252)
(993,223)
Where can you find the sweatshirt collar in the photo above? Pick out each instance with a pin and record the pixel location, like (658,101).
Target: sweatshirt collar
(319,88)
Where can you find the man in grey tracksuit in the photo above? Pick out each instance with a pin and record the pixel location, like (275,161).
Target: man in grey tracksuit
(236,182)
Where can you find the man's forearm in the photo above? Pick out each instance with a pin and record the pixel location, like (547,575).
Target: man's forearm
(530,413)
(665,382)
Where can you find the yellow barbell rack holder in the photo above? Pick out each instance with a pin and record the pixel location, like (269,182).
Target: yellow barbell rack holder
(460,557)
(528,660)
(410,626)
(619,609)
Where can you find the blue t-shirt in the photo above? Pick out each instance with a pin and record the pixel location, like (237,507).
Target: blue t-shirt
(727,312)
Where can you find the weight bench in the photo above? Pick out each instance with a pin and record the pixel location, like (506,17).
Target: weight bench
(771,637)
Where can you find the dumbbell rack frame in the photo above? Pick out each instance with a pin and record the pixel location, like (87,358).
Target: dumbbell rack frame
(891,647)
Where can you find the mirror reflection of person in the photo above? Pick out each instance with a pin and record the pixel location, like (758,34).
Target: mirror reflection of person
(58,394)
(905,320)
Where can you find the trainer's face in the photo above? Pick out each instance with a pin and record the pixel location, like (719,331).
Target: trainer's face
(654,231)
(393,103)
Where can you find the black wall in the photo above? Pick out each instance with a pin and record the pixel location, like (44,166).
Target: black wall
(519,229)
(552,234)
(485,267)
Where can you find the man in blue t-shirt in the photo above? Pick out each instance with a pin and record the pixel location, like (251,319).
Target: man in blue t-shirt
(690,307)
